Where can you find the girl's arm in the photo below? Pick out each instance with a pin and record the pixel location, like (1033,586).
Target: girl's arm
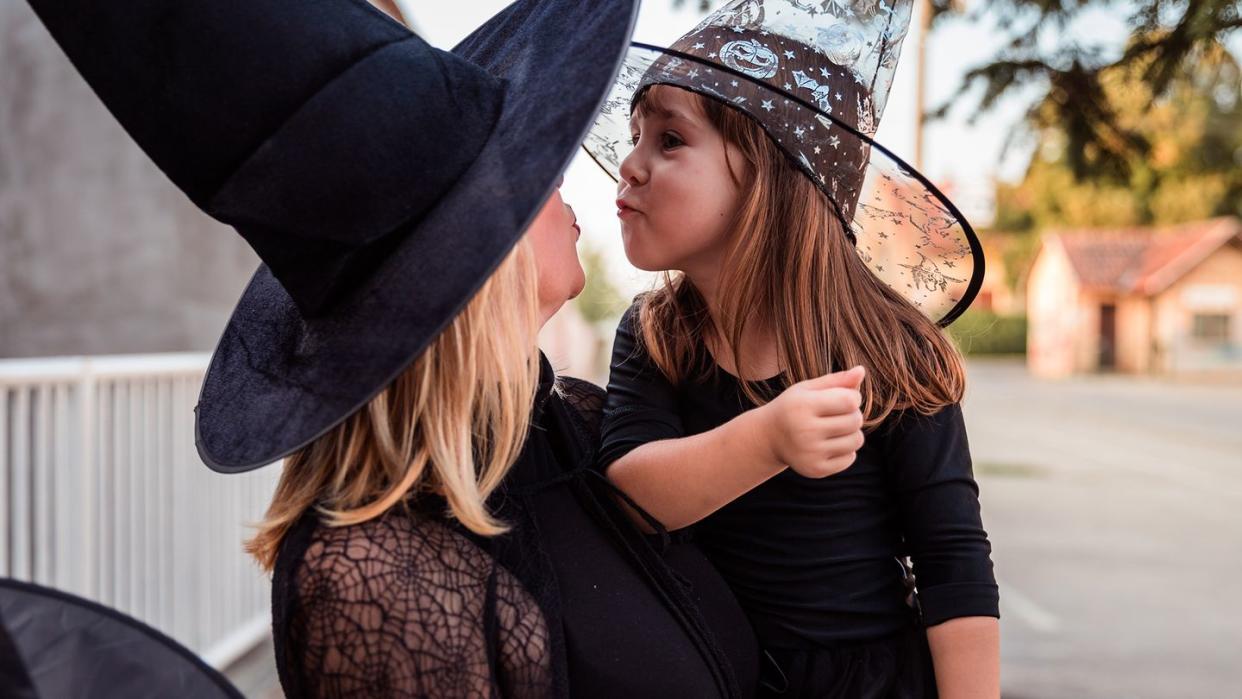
(966,656)
(928,458)
(813,427)
(680,481)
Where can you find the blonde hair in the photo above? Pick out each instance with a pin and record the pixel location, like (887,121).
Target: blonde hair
(790,265)
(452,423)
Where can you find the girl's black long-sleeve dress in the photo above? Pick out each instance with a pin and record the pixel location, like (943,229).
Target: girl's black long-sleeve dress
(572,601)
(817,563)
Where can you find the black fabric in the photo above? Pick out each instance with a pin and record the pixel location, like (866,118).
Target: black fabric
(896,667)
(380,180)
(53,644)
(573,600)
(15,681)
(814,562)
(324,230)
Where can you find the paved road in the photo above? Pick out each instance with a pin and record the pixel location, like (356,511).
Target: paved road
(1115,510)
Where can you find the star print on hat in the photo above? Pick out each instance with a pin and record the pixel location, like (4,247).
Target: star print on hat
(816,77)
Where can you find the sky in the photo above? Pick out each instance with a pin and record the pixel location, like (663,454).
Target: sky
(964,157)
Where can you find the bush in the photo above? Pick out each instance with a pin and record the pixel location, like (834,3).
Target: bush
(985,332)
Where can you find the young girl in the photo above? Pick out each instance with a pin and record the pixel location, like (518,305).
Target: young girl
(723,412)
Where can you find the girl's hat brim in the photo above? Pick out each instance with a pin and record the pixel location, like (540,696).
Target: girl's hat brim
(279,380)
(907,232)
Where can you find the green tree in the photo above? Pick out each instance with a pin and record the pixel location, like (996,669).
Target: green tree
(1168,38)
(600,300)
(1192,131)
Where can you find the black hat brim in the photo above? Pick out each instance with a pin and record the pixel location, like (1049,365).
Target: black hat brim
(54,644)
(277,380)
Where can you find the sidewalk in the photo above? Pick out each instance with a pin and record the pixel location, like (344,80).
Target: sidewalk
(254,674)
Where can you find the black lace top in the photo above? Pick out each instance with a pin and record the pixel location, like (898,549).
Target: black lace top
(571,601)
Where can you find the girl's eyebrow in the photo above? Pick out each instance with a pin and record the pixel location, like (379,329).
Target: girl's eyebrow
(660,112)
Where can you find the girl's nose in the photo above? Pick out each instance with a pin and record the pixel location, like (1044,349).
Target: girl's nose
(633,170)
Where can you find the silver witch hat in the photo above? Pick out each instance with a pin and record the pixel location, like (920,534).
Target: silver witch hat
(816,77)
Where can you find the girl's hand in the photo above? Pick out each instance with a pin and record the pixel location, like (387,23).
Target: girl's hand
(815,426)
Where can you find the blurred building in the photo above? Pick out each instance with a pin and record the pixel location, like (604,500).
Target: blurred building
(574,347)
(995,294)
(1138,300)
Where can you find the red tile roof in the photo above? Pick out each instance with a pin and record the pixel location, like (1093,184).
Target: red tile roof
(1144,260)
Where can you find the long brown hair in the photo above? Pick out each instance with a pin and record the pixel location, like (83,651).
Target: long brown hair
(790,266)
(452,423)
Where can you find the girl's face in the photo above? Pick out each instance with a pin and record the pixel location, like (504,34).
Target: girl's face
(677,196)
(554,236)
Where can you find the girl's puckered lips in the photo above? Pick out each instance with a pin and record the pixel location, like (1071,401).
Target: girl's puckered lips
(625,209)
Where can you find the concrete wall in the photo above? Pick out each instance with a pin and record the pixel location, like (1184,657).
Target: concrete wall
(99,253)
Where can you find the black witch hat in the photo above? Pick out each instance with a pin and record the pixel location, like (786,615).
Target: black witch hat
(53,644)
(380,180)
(815,74)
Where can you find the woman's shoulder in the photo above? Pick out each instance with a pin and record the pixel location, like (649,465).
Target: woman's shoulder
(580,393)
(399,555)
(417,591)
(585,400)
(396,541)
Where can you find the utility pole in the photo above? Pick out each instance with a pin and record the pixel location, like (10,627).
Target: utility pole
(920,88)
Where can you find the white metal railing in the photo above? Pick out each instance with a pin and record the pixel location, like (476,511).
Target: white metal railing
(102,494)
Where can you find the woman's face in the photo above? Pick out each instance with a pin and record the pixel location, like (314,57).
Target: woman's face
(676,198)
(554,237)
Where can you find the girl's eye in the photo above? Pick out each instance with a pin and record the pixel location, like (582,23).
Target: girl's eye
(670,140)
(633,139)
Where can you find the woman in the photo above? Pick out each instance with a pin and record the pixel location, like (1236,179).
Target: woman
(432,535)
(411,560)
